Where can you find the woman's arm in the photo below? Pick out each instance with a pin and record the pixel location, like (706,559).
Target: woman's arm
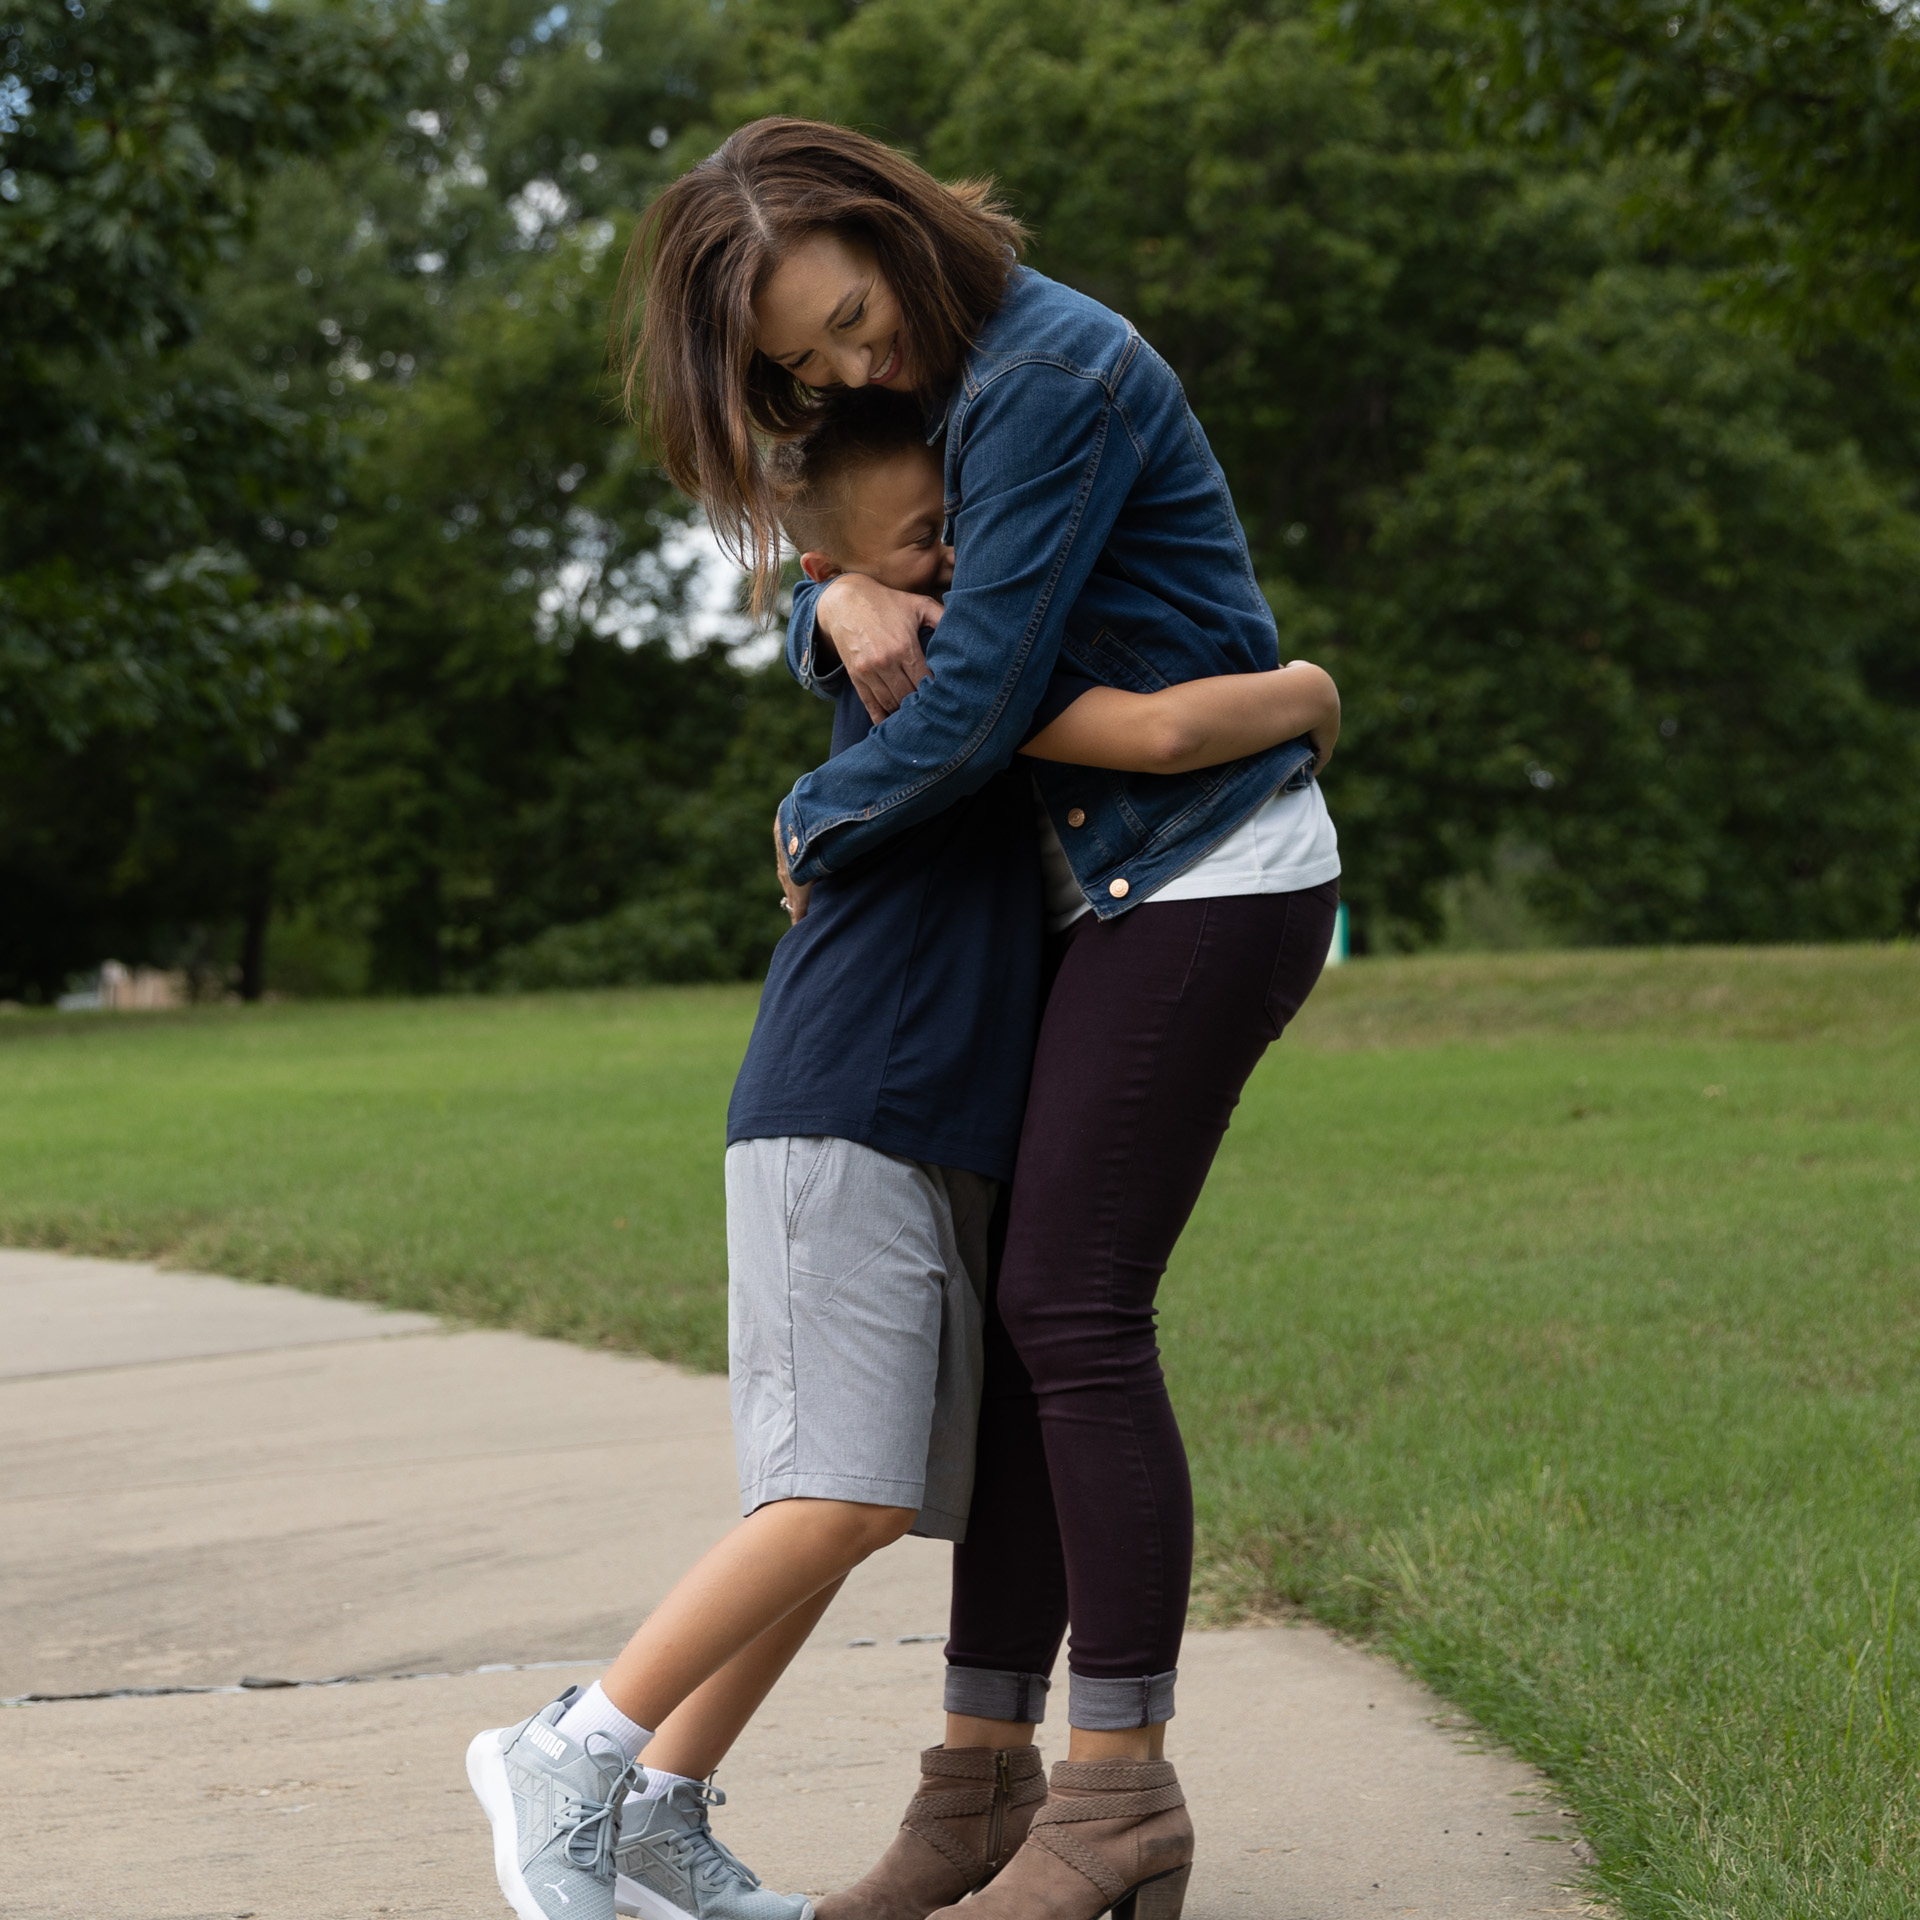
(1036,514)
(1200,723)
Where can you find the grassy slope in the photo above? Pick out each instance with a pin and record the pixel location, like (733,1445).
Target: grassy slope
(1497,1336)
(549,1163)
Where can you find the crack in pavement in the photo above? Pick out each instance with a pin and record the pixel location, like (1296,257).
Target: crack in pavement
(252,1684)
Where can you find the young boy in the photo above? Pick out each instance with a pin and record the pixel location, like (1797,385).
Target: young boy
(876,1115)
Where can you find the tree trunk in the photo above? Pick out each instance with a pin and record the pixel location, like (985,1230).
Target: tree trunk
(253,948)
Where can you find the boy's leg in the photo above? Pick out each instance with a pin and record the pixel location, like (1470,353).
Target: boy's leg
(838,1262)
(837,1257)
(699,1733)
(667,1860)
(555,1787)
(778,1558)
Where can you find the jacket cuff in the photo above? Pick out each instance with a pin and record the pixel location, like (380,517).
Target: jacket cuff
(793,839)
(802,646)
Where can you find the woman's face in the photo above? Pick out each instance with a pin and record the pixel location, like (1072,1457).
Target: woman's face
(829,318)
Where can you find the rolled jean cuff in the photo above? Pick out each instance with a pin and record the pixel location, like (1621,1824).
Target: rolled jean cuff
(1114,1706)
(992,1693)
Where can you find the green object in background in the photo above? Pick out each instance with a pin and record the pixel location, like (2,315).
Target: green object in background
(1549,1319)
(1337,952)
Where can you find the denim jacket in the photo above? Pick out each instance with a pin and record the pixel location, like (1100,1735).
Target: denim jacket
(1095,543)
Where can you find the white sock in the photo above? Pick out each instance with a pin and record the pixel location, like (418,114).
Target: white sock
(593,1712)
(659,1784)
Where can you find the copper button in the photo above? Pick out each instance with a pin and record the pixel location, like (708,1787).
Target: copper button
(1076,816)
(1119,889)
(793,843)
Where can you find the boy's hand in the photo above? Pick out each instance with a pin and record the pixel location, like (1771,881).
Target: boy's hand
(876,634)
(1326,736)
(792,896)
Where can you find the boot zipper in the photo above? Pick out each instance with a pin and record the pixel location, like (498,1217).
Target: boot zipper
(1002,1792)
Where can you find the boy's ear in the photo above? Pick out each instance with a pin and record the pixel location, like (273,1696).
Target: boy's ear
(816,566)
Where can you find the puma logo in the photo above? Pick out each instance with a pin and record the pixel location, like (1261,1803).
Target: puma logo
(549,1742)
(559,1889)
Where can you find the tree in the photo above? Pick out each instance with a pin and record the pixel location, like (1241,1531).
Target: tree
(528,743)
(135,640)
(1531,499)
(478,721)
(1798,120)
(1501,458)
(1650,613)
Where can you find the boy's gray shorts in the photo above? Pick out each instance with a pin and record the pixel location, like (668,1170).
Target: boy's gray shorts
(855,1299)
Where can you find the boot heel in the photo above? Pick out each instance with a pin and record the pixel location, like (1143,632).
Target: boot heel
(1158,1899)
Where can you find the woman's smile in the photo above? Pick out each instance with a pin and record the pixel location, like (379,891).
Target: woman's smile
(829,317)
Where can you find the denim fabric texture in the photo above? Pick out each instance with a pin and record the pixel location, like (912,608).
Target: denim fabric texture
(1095,538)
(992,1694)
(1111,1706)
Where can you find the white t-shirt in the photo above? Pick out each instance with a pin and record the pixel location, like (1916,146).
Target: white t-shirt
(1287,843)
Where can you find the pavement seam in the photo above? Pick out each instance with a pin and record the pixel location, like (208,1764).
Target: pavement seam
(408,1465)
(226,1353)
(250,1684)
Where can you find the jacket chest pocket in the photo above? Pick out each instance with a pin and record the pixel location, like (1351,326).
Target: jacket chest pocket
(1104,656)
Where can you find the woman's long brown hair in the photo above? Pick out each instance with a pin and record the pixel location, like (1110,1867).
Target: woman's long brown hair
(684,327)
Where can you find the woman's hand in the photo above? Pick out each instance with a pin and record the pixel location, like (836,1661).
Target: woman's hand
(793,896)
(875,632)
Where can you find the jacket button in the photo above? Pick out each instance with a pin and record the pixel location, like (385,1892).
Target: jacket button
(1076,816)
(1119,889)
(793,843)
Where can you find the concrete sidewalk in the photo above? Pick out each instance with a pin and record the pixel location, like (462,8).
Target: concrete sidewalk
(207,1482)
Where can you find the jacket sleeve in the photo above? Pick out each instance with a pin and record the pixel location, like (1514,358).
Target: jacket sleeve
(800,648)
(1045,466)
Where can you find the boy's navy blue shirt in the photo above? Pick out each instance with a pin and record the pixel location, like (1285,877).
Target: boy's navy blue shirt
(901,1011)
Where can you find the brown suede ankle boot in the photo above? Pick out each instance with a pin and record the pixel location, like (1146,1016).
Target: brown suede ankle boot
(962,1827)
(1114,1837)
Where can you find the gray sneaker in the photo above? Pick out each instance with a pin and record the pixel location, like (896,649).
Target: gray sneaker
(555,1810)
(672,1868)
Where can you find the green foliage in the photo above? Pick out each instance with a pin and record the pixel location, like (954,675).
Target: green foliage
(530,745)
(136,640)
(1665,606)
(1602,576)
(406,350)
(132,138)
(1799,118)
(422,679)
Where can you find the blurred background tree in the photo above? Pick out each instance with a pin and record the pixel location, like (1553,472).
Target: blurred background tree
(347,644)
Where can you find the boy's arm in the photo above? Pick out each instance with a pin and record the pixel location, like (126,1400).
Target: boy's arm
(1199,723)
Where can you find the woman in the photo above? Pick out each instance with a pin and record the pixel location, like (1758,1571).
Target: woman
(1095,544)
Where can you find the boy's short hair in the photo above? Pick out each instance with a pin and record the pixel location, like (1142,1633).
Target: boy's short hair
(811,474)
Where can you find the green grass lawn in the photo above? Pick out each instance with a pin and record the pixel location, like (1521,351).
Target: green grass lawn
(1551,1320)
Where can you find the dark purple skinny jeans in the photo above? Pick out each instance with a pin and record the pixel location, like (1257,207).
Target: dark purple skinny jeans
(1082,1508)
